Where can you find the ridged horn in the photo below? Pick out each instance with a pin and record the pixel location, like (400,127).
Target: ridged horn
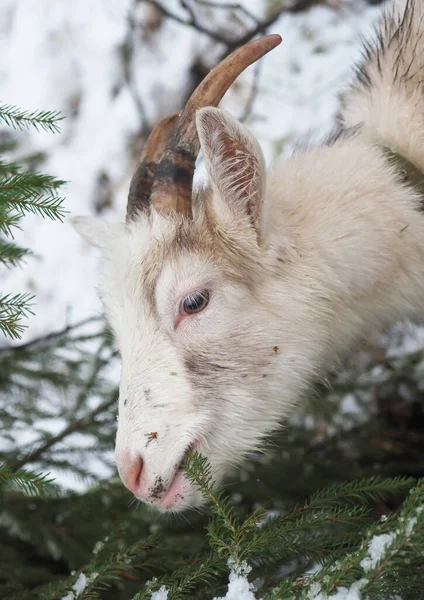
(172,186)
(142,181)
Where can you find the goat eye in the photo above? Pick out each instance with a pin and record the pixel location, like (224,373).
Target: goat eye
(194,303)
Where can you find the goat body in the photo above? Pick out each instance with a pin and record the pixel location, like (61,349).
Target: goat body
(225,319)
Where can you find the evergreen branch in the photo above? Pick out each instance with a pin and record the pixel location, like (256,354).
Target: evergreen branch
(183,580)
(11,254)
(198,472)
(45,339)
(6,168)
(77,425)
(44,206)
(404,541)
(379,564)
(32,192)
(8,220)
(31,484)
(10,304)
(17,118)
(27,183)
(12,310)
(102,571)
(314,535)
(359,491)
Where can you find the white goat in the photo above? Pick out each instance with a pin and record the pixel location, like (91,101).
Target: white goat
(227,303)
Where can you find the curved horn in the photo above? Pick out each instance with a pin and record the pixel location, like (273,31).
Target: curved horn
(142,181)
(172,186)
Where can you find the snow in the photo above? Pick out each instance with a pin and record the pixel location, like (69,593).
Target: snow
(313,591)
(79,586)
(239,588)
(376,548)
(161,594)
(342,593)
(52,49)
(55,59)
(379,543)
(349,405)
(98,547)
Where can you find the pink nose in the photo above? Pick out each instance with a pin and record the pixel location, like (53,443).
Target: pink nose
(130,469)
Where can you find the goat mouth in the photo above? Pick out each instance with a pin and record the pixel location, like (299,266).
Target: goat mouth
(175,489)
(189,451)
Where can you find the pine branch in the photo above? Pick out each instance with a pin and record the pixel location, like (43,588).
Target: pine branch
(387,554)
(31,192)
(223,531)
(78,424)
(359,491)
(17,118)
(11,254)
(185,579)
(101,571)
(27,182)
(12,309)
(49,337)
(8,221)
(31,484)
(44,206)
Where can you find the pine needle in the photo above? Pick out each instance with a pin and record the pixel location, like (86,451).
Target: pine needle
(12,116)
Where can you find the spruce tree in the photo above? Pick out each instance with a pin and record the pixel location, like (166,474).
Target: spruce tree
(334,508)
(23,191)
(334,505)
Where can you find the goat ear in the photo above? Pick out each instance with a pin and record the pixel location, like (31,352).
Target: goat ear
(234,162)
(96,232)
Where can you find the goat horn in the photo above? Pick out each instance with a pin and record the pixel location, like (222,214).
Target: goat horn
(142,181)
(173,181)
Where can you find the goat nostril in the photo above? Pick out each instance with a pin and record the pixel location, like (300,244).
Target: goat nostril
(133,474)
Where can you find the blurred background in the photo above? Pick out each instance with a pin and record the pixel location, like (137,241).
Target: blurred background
(113,68)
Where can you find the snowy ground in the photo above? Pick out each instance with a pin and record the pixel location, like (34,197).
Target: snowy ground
(57,55)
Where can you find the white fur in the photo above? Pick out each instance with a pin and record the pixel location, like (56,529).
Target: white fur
(340,252)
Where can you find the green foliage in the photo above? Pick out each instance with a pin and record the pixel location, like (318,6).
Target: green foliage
(22,192)
(31,484)
(30,192)
(12,309)
(12,116)
(314,499)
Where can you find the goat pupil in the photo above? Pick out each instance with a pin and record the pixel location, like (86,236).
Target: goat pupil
(195,302)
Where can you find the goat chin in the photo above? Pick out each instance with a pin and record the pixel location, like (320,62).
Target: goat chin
(289,268)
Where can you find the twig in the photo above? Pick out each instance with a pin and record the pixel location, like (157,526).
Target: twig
(189,9)
(128,46)
(192,22)
(74,426)
(261,27)
(253,93)
(71,428)
(228,6)
(50,336)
